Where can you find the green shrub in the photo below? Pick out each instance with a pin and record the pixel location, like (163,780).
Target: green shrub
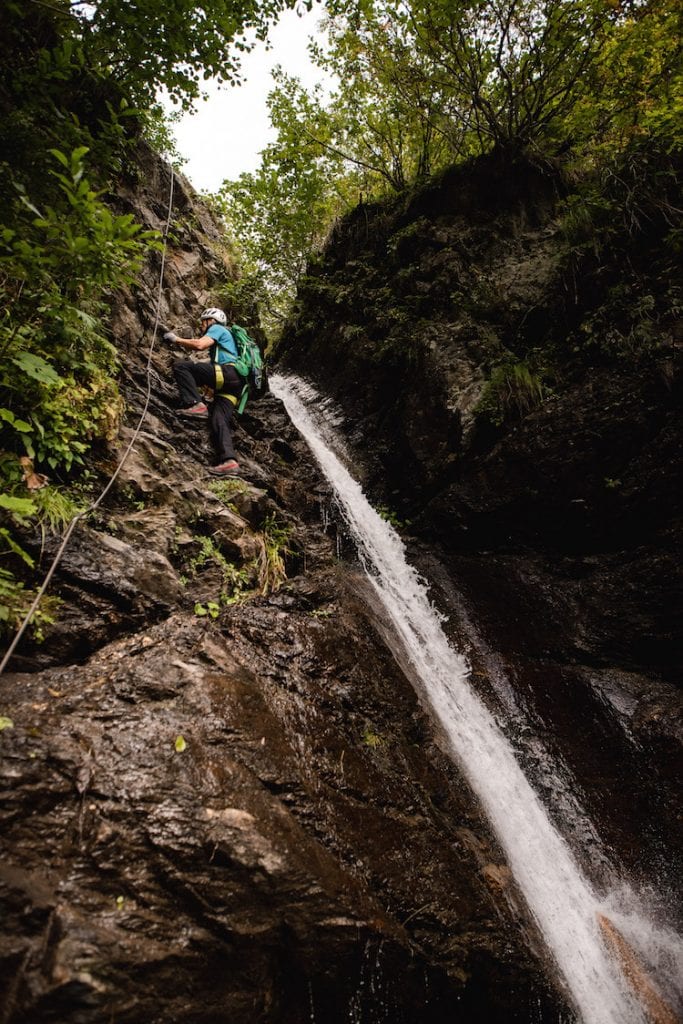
(58,394)
(15,602)
(513,390)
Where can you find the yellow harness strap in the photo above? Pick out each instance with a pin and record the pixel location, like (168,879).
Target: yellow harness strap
(220,381)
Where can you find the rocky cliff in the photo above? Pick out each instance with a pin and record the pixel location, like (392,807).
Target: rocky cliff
(222,798)
(510,404)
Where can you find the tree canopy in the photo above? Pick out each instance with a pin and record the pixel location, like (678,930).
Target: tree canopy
(147,45)
(421,84)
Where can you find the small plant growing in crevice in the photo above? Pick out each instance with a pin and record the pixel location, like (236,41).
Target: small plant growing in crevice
(55,508)
(236,582)
(15,601)
(322,613)
(272,571)
(15,598)
(390,517)
(513,390)
(211,608)
(227,489)
(371,738)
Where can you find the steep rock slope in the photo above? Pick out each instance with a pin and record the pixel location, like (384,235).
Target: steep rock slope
(243,817)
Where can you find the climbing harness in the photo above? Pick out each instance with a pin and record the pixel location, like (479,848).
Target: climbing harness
(220,384)
(91,508)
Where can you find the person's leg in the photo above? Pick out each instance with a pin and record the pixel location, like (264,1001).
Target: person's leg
(188,375)
(221,419)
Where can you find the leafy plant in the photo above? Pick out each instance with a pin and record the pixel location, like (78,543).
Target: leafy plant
(236,582)
(322,613)
(54,508)
(272,570)
(371,738)
(15,601)
(149,46)
(56,385)
(228,488)
(58,394)
(389,516)
(211,608)
(514,389)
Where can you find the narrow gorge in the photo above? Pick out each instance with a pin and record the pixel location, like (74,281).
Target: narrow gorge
(285,756)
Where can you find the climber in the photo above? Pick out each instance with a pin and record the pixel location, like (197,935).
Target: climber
(217,374)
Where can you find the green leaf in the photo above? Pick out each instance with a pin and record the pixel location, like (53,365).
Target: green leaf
(21,425)
(26,201)
(63,159)
(180,744)
(20,506)
(16,548)
(37,368)
(6,723)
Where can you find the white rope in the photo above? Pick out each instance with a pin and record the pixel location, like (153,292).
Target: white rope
(91,508)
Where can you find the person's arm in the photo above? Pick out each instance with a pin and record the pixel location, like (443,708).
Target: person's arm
(198,344)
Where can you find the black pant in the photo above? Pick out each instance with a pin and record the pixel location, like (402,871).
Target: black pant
(188,375)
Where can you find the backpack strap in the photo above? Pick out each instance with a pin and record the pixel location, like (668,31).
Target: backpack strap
(244,397)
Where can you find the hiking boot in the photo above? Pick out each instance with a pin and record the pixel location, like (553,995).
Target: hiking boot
(199,410)
(228,468)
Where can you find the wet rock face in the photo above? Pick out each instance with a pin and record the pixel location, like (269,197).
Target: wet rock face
(197,262)
(232,822)
(221,799)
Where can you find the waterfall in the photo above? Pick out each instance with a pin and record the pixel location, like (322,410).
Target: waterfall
(562,901)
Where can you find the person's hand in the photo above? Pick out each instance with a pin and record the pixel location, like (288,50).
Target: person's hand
(170,336)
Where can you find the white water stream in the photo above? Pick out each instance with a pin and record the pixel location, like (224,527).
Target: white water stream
(562,901)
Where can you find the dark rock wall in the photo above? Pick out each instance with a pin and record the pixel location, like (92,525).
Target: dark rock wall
(241,818)
(553,539)
(402,321)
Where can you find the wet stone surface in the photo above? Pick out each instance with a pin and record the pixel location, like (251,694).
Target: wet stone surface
(221,801)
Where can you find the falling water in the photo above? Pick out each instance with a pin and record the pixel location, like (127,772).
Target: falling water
(562,901)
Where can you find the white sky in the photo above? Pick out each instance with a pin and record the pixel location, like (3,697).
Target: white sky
(224,136)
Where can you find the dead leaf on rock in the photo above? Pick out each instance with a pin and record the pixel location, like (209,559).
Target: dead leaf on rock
(34,481)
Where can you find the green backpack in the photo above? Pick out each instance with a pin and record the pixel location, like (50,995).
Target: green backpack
(249,365)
